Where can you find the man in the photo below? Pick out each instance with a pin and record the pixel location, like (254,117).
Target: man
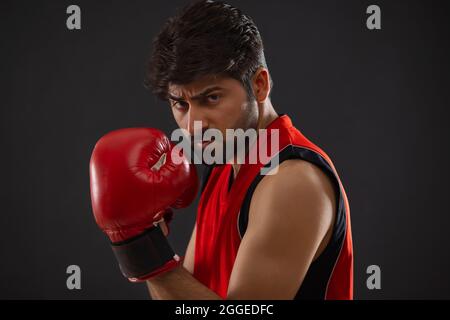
(280,236)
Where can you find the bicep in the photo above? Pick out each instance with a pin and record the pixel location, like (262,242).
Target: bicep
(287,222)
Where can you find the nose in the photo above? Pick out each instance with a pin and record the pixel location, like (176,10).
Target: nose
(196,121)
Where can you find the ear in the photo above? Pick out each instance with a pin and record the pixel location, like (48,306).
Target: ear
(261,84)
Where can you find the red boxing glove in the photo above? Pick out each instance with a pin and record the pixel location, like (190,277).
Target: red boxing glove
(134,182)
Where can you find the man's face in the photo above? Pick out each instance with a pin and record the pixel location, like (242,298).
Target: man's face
(220,103)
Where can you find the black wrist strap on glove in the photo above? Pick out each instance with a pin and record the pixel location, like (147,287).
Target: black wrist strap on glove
(143,254)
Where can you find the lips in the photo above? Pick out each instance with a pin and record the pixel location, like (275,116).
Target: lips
(205,143)
(202,143)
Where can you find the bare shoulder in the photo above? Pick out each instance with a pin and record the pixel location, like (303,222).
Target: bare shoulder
(296,182)
(299,192)
(292,209)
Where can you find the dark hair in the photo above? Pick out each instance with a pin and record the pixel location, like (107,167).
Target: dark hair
(205,38)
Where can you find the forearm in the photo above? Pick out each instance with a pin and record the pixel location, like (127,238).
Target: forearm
(179,284)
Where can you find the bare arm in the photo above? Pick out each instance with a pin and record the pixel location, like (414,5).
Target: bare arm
(189,256)
(290,218)
(290,221)
(179,283)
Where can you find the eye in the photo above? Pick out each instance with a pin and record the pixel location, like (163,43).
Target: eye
(213,98)
(180,105)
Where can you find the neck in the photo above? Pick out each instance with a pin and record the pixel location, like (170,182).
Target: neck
(266,115)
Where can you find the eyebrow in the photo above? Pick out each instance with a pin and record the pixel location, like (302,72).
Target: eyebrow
(198,96)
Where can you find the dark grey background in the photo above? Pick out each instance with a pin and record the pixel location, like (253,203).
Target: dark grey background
(376,101)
